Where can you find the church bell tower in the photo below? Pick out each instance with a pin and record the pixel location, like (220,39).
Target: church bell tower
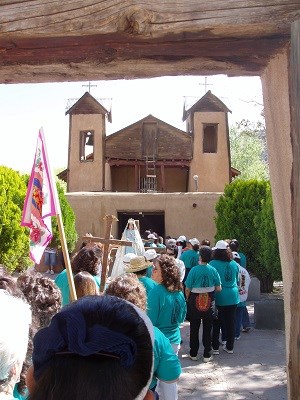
(87,131)
(207,123)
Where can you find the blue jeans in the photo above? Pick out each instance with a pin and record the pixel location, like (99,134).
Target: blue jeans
(50,259)
(245,320)
(238,320)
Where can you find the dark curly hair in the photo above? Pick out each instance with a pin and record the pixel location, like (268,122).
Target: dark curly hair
(8,283)
(87,259)
(128,287)
(221,255)
(169,272)
(43,296)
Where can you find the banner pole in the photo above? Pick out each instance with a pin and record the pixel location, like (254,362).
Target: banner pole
(64,247)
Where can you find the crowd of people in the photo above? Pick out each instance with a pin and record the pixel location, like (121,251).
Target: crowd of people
(124,342)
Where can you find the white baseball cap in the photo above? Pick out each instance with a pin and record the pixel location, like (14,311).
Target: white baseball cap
(150,254)
(221,245)
(194,241)
(127,257)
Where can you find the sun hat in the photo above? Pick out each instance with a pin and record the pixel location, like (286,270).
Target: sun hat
(136,264)
(181,238)
(221,245)
(194,241)
(150,254)
(151,236)
(127,257)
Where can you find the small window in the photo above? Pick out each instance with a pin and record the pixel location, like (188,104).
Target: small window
(210,138)
(86,152)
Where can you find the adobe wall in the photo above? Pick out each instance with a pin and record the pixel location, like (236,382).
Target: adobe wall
(277,114)
(181,217)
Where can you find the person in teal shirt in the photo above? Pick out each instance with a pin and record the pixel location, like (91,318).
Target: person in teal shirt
(190,257)
(166,302)
(150,256)
(228,299)
(87,259)
(138,265)
(201,284)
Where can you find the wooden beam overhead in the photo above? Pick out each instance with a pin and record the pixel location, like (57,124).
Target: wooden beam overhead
(45,42)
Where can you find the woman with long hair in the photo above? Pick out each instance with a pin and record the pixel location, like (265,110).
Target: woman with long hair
(88,259)
(166,303)
(85,284)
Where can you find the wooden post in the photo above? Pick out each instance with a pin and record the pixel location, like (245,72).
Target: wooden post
(65,252)
(294,351)
(107,242)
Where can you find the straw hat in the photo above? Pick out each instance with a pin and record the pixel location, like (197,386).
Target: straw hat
(136,264)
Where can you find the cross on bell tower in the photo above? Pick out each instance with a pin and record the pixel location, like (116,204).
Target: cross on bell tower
(205,84)
(89,85)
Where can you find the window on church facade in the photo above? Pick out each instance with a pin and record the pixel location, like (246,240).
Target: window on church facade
(210,138)
(86,151)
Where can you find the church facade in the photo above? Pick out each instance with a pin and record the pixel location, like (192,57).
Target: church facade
(166,178)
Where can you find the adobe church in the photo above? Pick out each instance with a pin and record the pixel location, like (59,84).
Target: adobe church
(168,179)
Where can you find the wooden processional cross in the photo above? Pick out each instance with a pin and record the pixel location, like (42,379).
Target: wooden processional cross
(107,242)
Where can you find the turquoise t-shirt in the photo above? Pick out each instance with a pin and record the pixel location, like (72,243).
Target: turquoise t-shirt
(243,261)
(18,396)
(62,282)
(149,271)
(229,274)
(166,363)
(203,276)
(148,283)
(190,258)
(167,310)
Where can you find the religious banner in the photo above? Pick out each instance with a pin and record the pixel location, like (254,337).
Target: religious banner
(41,202)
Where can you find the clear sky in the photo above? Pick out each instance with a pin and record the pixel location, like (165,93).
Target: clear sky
(27,107)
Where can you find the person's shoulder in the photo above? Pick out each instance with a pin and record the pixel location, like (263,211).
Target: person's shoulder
(61,276)
(211,268)
(148,281)
(97,279)
(234,264)
(156,290)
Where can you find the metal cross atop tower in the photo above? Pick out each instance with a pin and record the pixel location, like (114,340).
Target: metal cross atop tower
(205,84)
(89,86)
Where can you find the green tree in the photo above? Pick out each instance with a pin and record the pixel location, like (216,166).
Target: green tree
(244,212)
(68,218)
(14,253)
(268,248)
(248,150)
(14,239)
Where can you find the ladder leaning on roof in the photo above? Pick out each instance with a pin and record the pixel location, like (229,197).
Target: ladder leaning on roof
(149,183)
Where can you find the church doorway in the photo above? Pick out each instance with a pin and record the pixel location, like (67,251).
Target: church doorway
(147,220)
